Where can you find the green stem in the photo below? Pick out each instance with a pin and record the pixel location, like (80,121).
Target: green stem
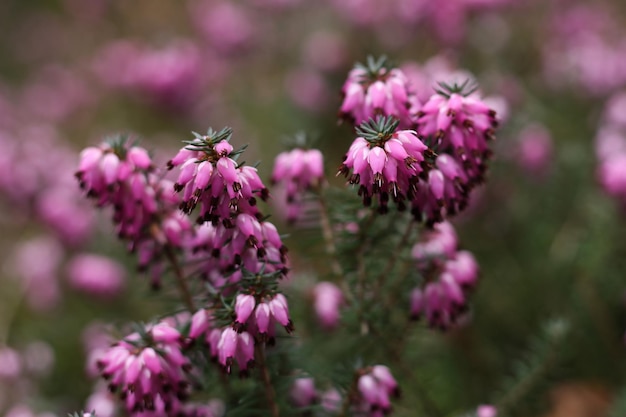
(393,259)
(327,232)
(329,242)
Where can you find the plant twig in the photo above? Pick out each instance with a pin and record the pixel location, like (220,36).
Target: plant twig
(327,232)
(270,394)
(183,288)
(393,259)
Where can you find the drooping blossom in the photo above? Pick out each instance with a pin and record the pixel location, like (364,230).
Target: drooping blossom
(169,76)
(297,171)
(36,263)
(96,275)
(386,163)
(232,347)
(610,144)
(120,175)
(210,176)
(302,392)
(585,49)
(447,276)
(534,150)
(148,371)
(327,300)
(458,126)
(376,386)
(486,411)
(226,26)
(249,245)
(376,89)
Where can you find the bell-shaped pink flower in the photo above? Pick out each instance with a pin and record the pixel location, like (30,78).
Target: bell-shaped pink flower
(327,300)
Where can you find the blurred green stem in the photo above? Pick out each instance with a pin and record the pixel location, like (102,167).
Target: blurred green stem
(329,241)
(180,279)
(395,255)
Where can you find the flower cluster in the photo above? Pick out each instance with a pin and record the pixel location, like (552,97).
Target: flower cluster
(375,387)
(210,175)
(458,126)
(385,162)
(377,89)
(253,321)
(432,168)
(120,175)
(299,170)
(369,396)
(610,145)
(231,230)
(448,274)
(327,300)
(148,370)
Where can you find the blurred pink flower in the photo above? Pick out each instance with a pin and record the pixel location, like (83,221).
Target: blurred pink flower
(36,263)
(96,275)
(534,150)
(327,300)
(307,89)
(227,26)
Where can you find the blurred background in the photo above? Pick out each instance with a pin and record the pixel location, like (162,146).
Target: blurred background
(547,228)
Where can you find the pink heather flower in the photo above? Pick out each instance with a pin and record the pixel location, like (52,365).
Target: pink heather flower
(10,364)
(486,411)
(458,126)
(96,275)
(20,410)
(385,162)
(244,306)
(615,110)
(299,170)
(268,312)
(424,77)
(302,393)
(169,76)
(377,90)
(38,358)
(227,26)
(376,385)
(201,322)
(582,49)
(64,210)
(447,277)
(612,175)
(331,400)
(36,263)
(209,176)
(250,244)
(55,94)
(145,211)
(149,372)
(102,403)
(440,242)
(233,346)
(327,299)
(534,151)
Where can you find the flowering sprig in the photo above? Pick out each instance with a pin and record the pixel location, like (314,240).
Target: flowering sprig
(386,162)
(377,89)
(148,368)
(211,176)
